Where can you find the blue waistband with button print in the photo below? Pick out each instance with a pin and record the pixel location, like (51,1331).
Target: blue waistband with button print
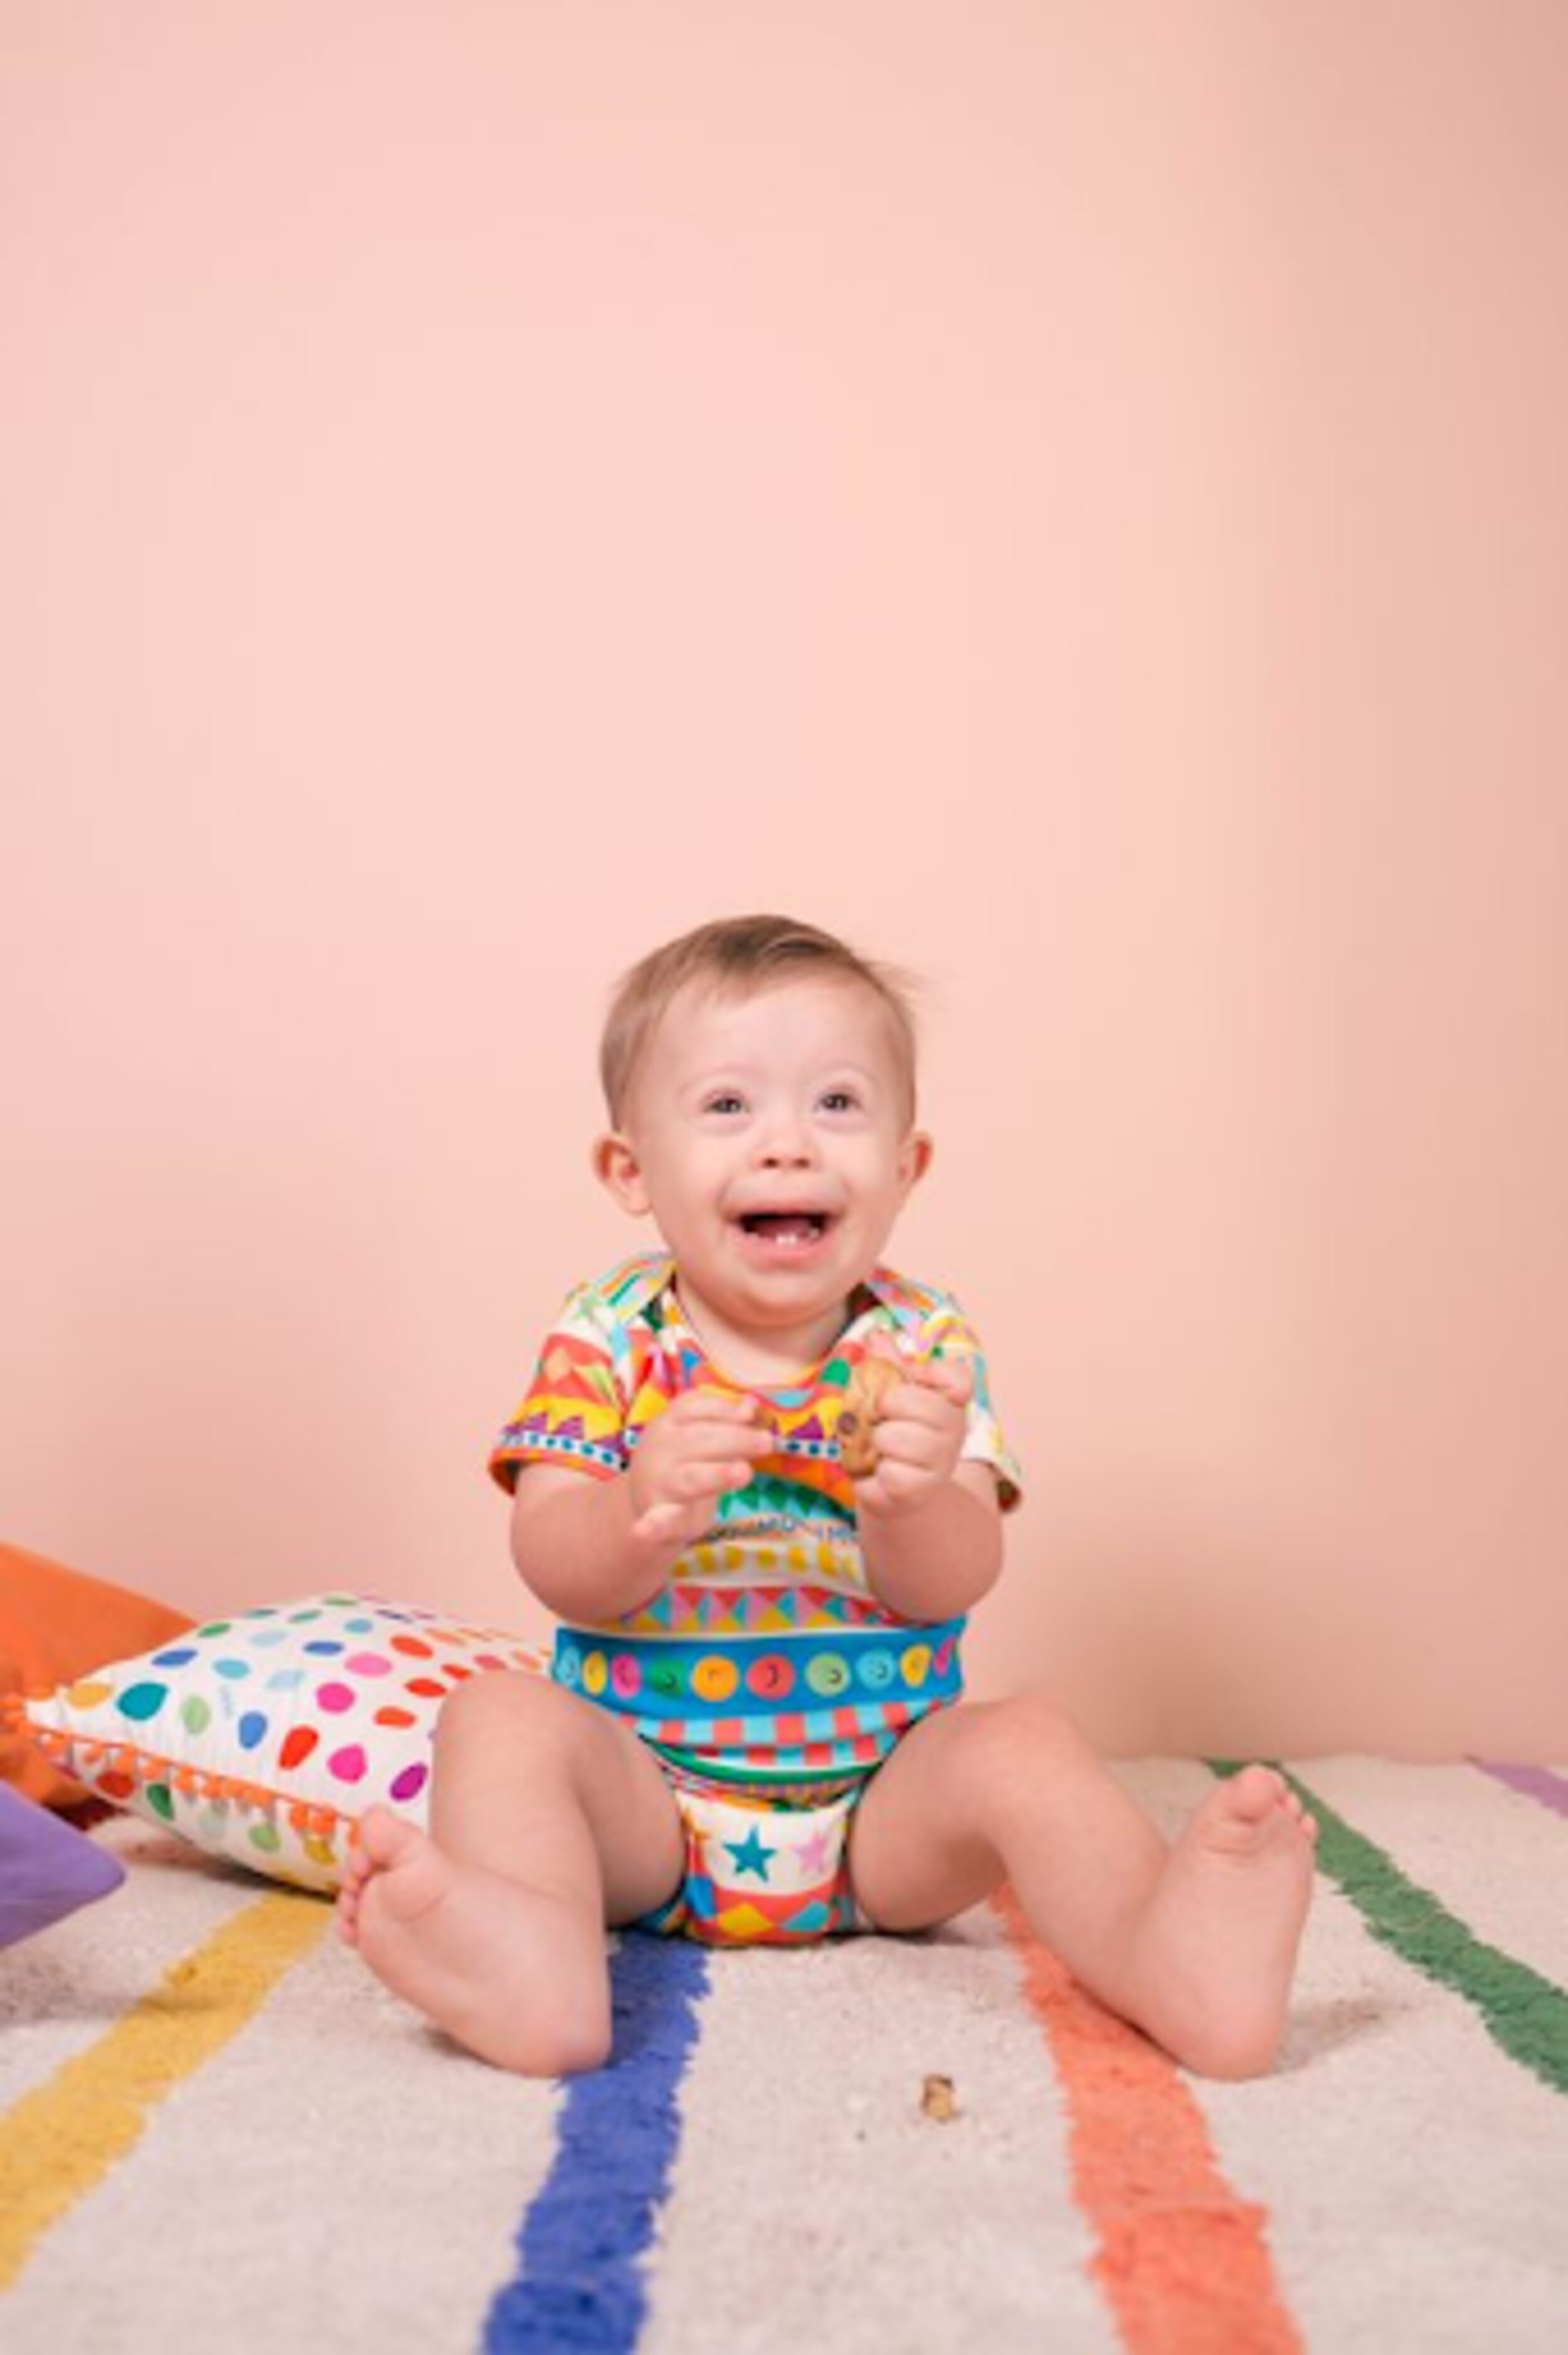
(746,1684)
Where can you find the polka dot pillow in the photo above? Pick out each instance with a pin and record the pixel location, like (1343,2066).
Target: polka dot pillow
(264,1738)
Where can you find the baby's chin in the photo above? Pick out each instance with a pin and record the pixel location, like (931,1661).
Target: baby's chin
(766,1290)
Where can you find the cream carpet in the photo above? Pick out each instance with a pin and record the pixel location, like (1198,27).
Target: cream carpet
(220,2134)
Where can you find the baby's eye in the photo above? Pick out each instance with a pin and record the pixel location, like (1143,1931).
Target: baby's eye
(839,1099)
(726,1102)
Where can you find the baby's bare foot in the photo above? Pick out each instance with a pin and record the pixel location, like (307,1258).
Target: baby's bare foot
(1218,1945)
(513,1973)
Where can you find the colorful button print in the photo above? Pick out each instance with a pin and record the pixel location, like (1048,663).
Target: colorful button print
(715,1678)
(771,1678)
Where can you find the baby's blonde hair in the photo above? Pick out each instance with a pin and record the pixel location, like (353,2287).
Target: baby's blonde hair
(736,956)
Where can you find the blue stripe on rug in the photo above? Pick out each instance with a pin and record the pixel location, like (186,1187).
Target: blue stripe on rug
(579,2283)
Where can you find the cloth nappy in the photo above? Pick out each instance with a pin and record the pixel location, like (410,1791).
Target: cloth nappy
(762,1868)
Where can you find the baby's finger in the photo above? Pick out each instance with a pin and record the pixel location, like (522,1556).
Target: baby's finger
(657,1521)
(689,1488)
(891,1484)
(915,1446)
(705,1405)
(920,1404)
(721,1443)
(952,1378)
(697,1488)
(694,1483)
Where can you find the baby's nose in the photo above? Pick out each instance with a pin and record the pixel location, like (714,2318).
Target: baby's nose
(787,1145)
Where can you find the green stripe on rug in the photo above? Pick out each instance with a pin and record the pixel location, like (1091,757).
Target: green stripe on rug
(1522,2013)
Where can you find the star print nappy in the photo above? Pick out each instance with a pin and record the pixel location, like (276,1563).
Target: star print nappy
(761,1869)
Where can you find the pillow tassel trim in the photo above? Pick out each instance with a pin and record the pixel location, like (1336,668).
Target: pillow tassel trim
(88,1759)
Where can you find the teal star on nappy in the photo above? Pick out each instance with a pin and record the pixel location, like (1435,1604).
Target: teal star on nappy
(750,1856)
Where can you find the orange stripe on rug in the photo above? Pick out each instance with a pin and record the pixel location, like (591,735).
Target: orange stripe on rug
(1181,2261)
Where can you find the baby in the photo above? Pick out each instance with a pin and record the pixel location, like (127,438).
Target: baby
(754,1730)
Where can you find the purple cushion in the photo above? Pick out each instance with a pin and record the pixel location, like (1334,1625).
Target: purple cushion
(46,1868)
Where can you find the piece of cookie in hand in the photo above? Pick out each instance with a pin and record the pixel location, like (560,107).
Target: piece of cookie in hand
(864,1398)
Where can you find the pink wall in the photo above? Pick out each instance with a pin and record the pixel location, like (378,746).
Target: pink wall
(1075,498)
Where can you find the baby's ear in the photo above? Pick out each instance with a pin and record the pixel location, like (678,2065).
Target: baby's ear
(618,1170)
(915,1158)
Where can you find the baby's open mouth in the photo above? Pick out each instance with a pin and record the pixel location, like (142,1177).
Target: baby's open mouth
(787,1228)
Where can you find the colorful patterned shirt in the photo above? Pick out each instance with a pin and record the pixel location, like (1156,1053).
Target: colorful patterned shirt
(766,1657)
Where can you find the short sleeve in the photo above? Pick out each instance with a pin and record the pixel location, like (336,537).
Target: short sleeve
(946,1332)
(574,1412)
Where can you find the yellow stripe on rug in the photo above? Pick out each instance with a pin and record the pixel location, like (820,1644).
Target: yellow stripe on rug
(60,2140)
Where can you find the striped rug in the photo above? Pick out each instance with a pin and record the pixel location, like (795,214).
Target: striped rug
(220,2134)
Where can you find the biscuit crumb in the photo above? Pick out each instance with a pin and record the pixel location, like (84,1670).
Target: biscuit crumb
(938,2100)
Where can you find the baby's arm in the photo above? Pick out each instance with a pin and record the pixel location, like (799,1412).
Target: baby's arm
(930,1524)
(935,1559)
(594,1550)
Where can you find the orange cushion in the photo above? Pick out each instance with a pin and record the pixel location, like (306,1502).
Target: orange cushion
(55,1625)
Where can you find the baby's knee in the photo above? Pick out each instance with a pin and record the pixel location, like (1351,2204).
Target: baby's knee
(1028,1733)
(507,1704)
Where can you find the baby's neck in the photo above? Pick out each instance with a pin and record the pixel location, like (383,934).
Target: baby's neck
(761,1360)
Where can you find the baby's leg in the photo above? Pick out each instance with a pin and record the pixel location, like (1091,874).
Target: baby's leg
(547,1820)
(1196,1944)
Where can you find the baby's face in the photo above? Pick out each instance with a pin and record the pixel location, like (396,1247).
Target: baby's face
(770,1136)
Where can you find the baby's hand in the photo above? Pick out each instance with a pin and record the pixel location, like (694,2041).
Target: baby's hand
(919,1435)
(705,1443)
